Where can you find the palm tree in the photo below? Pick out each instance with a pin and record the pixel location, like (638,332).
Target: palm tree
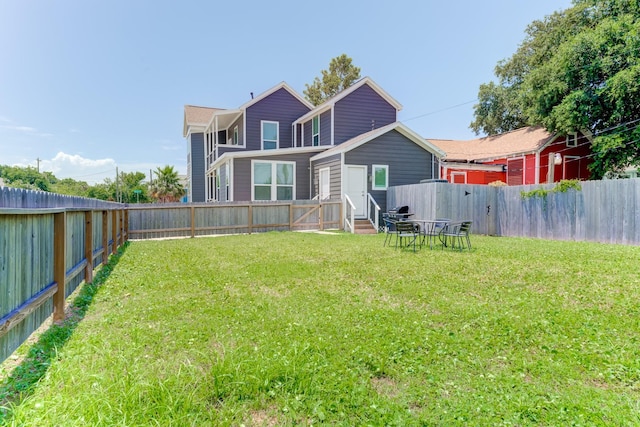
(166,187)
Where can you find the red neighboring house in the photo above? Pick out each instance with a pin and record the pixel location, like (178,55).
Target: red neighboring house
(518,157)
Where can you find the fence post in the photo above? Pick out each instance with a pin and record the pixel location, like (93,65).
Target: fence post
(121,227)
(114,231)
(320,218)
(193,221)
(126,225)
(250,218)
(88,246)
(59,273)
(105,237)
(290,216)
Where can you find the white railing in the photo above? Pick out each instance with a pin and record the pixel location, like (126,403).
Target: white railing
(371,202)
(349,215)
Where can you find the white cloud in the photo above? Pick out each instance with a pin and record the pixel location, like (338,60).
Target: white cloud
(79,168)
(92,171)
(23,129)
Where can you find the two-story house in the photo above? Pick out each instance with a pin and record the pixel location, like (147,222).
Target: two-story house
(277,146)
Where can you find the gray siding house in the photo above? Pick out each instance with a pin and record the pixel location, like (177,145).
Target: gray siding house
(372,162)
(279,147)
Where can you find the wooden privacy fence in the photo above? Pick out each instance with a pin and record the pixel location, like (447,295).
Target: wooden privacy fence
(605,211)
(45,253)
(202,219)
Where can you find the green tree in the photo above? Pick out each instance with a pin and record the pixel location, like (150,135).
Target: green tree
(578,69)
(124,190)
(166,187)
(70,187)
(26,177)
(132,189)
(340,75)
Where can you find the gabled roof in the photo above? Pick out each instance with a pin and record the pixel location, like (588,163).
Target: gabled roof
(520,141)
(197,116)
(373,134)
(332,101)
(276,88)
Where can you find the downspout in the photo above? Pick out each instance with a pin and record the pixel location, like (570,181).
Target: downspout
(537,168)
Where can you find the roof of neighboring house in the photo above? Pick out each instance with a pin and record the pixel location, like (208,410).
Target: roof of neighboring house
(368,136)
(197,116)
(332,101)
(519,141)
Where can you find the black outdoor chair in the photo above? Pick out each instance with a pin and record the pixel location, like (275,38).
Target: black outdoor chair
(407,233)
(389,229)
(457,233)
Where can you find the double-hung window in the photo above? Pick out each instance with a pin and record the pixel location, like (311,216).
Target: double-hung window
(235,136)
(380,177)
(273,180)
(315,131)
(270,132)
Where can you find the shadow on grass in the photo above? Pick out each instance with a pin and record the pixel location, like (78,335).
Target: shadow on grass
(24,378)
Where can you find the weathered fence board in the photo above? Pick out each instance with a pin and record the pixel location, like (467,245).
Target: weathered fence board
(202,219)
(602,211)
(43,257)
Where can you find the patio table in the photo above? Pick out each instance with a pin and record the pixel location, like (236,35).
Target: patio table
(430,229)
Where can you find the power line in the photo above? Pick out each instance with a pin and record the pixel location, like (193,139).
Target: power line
(439,111)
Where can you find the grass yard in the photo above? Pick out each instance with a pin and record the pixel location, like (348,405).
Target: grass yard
(300,329)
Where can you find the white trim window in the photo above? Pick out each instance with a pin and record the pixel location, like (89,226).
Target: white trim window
(272,180)
(270,132)
(572,140)
(380,177)
(315,131)
(235,135)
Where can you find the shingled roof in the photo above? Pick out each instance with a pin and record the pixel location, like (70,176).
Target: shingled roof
(197,116)
(519,141)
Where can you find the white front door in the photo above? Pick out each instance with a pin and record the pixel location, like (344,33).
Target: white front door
(325,184)
(356,188)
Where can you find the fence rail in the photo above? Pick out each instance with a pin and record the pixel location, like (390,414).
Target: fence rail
(191,220)
(605,211)
(49,244)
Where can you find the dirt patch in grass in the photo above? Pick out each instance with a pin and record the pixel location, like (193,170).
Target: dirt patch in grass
(263,418)
(386,386)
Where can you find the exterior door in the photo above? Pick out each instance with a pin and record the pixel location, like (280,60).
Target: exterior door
(356,188)
(325,184)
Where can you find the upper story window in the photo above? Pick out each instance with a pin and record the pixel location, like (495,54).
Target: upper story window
(270,133)
(235,136)
(572,140)
(315,130)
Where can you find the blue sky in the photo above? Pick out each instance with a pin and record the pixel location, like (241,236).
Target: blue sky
(89,86)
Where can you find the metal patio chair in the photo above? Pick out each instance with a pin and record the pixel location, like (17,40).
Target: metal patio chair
(389,229)
(407,233)
(457,234)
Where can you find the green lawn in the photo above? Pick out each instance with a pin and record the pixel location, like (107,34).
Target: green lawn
(300,329)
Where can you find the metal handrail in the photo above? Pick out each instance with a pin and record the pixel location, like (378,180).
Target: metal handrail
(349,225)
(371,201)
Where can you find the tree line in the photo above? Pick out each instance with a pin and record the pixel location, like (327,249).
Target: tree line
(576,70)
(128,187)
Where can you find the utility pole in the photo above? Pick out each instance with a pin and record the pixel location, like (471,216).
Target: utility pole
(118,198)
